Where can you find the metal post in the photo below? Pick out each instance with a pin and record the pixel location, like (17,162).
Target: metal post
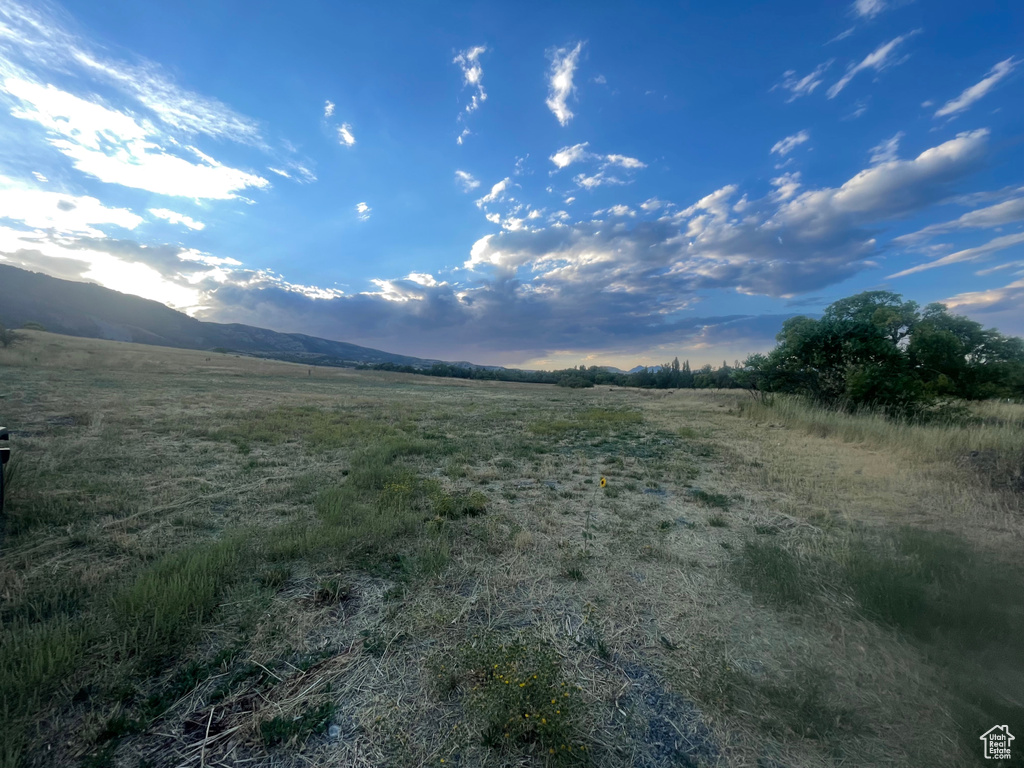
(5,456)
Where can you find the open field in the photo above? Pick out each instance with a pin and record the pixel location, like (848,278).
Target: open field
(212,560)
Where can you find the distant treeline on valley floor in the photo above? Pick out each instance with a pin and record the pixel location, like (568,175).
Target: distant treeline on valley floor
(674,375)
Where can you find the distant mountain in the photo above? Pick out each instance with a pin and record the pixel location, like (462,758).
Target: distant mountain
(638,368)
(84,309)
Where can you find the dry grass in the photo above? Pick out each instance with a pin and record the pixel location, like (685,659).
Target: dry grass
(213,560)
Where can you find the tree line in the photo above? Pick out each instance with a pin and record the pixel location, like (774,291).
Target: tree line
(672,375)
(877,350)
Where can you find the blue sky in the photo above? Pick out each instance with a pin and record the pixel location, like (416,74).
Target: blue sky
(534,185)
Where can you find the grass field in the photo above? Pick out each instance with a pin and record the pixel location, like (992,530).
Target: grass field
(212,560)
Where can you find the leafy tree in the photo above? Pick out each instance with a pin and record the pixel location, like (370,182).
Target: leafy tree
(877,349)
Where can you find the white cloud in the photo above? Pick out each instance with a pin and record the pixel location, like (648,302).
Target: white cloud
(841,36)
(802,86)
(280,172)
(868,8)
(997,215)
(461,137)
(466,180)
(177,218)
(116,148)
(345,136)
(784,146)
(566,156)
(879,59)
(328,108)
(599,179)
(497,193)
(886,151)
(560,86)
(39,177)
(996,306)
(624,162)
(34,36)
(58,212)
(786,187)
(472,75)
(979,89)
(363,211)
(967,254)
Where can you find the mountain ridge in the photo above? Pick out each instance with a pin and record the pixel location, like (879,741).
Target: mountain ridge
(89,310)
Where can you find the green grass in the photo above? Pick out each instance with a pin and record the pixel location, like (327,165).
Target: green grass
(171,599)
(773,572)
(520,699)
(592,421)
(312,721)
(711,499)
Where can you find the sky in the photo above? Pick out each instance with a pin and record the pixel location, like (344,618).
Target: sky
(526,184)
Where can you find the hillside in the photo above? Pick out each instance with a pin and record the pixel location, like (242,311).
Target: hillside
(85,309)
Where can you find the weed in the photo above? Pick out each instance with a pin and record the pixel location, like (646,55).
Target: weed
(718,521)
(294,730)
(520,698)
(772,571)
(710,499)
(332,591)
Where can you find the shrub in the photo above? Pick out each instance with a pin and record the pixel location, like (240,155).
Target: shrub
(520,698)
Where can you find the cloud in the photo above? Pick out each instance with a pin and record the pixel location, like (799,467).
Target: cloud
(177,218)
(997,215)
(879,59)
(841,36)
(345,136)
(979,89)
(36,38)
(305,176)
(802,86)
(599,179)
(999,307)
(328,108)
(577,153)
(560,86)
(868,9)
(886,151)
(58,212)
(496,194)
(967,254)
(624,162)
(466,180)
(784,146)
(566,156)
(116,148)
(363,211)
(472,75)
(792,241)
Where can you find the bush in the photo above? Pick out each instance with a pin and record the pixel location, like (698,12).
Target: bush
(7,336)
(520,697)
(574,382)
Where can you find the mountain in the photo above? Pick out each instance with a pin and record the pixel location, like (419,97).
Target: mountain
(85,309)
(638,368)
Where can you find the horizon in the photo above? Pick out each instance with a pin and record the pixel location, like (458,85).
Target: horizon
(537,188)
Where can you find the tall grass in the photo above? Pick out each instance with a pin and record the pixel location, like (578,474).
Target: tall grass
(988,433)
